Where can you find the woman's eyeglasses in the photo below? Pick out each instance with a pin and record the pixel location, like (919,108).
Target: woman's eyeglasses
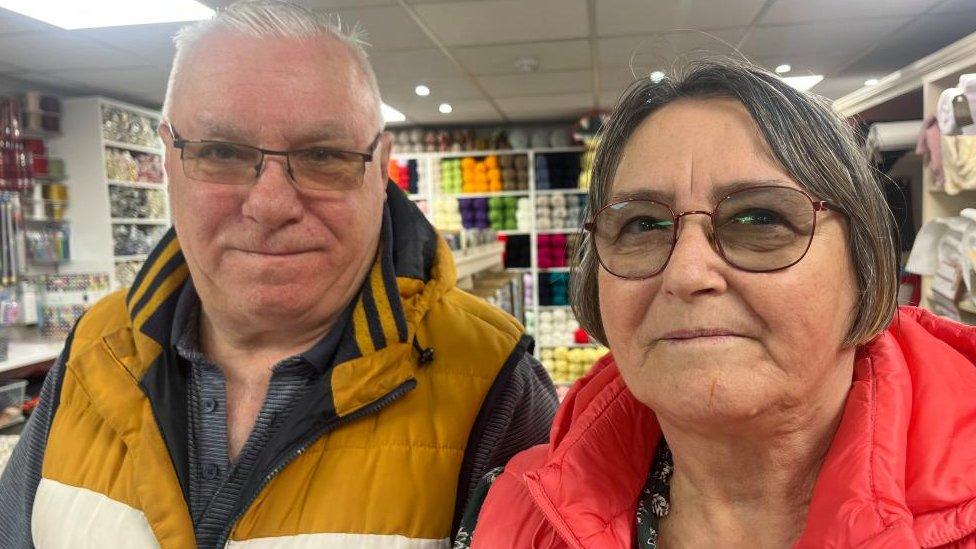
(758,229)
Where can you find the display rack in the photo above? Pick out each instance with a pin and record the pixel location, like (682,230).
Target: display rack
(85,147)
(933,75)
(429,192)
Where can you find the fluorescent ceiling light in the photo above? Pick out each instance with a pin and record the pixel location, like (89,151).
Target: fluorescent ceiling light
(803,83)
(784,68)
(392,115)
(870,81)
(445,108)
(422,90)
(87,14)
(657,76)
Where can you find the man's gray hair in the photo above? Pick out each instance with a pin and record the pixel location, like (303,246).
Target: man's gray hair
(813,145)
(272,19)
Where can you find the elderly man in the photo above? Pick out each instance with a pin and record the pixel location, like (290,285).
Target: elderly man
(294,366)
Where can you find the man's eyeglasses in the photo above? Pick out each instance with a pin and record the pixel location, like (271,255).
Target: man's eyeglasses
(758,229)
(314,168)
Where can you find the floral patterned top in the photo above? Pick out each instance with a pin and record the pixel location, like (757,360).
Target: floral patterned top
(651,507)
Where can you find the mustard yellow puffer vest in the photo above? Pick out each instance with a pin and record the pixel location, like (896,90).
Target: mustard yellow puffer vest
(383,472)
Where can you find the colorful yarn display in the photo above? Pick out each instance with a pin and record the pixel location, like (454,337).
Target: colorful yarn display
(553,289)
(557,171)
(406,175)
(559,211)
(567,365)
(552,250)
(518,254)
(447,215)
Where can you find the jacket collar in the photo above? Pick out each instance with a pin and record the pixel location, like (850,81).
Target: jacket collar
(412,268)
(899,471)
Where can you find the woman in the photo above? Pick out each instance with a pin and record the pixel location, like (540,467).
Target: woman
(762,390)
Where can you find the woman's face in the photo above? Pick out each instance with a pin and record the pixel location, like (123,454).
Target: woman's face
(780,332)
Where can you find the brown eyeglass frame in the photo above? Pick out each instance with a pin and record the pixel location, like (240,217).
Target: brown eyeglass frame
(817,205)
(180,143)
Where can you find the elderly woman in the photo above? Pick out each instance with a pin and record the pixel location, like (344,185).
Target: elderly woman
(763,389)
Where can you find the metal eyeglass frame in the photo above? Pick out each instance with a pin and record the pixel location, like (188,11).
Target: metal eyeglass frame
(180,143)
(817,205)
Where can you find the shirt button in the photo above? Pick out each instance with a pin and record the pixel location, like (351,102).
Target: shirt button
(209,405)
(211,471)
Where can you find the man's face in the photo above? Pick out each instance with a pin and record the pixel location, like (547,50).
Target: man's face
(266,251)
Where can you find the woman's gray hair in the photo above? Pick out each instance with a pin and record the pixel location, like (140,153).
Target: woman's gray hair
(813,145)
(272,19)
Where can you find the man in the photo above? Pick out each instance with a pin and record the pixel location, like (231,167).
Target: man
(293,366)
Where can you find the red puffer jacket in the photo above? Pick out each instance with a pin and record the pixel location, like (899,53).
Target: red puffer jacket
(900,473)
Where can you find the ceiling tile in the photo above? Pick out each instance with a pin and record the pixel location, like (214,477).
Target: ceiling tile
(552,56)
(152,43)
(464,112)
(11,22)
(615,17)
(923,36)
(955,6)
(550,106)
(129,82)
(838,86)
(805,11)
(663,49)
(836,37)
(387,28)
(441,89)
(824,63)
(538,83)
(59,49)
(333,4)
(412,66)
(501,21)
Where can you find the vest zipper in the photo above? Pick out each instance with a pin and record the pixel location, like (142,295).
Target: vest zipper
(376,406)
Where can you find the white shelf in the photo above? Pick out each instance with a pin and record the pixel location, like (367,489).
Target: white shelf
(554,307)
(486,195)
(137,184)
(558,231)
(477,259)
(498,152)
(28,219)
(561,191)
(130,147)
(139,221)
(137,257)
(27,353)
(514,231)
(554,270)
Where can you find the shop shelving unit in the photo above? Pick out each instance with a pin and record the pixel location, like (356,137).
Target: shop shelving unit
(83,146)
(933,75)
(429,192)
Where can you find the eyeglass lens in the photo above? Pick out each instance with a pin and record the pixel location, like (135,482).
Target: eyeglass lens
(230,163)
(762,229)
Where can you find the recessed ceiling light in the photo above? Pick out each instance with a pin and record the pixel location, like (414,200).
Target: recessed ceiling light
(657,76)
(88,14)
(445,108)
(784,68)
(391,115)
(870,81)
(422,90)
(803,83)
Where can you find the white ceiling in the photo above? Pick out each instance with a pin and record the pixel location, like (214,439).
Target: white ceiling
(465,50)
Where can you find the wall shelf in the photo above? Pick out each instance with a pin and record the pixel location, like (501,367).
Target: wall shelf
(131,147)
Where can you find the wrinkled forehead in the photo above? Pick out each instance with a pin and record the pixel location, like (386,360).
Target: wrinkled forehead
(696,150)
(236,87)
